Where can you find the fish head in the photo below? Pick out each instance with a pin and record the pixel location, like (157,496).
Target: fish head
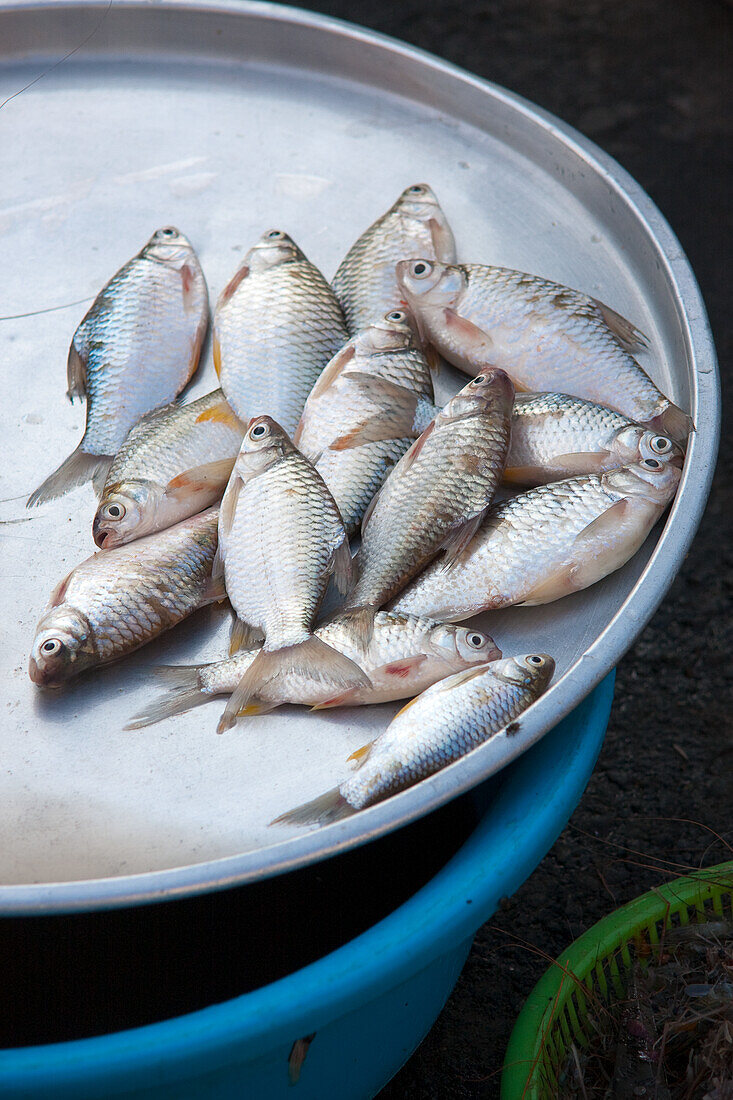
(527,669)
(264,444)
(635,442)
(273,248)
(429,284)
(490,391)
(125,511)
(463,646)
(168,246)
(654,478)
(394,332)
(63,645)
(418,203)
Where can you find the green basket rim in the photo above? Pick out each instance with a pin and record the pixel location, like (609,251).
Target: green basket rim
(520,1075)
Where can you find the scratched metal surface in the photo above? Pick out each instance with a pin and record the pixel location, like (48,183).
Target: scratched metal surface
(226,118)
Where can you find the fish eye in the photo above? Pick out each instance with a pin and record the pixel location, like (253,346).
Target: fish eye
(396,315)
(481,378)
(416,189)
(274,234)
(258,431)
(169,231)
(476,640)
(52,645)
(421,269)
(114,511)
(535,660)
(661,444)
(651,463)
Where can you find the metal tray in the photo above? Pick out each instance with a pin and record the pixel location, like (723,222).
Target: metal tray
(226,118)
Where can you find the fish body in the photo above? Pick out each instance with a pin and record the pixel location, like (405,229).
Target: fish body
(544,335)
(276,325)
(435,729)
(556,436)
(280,539)
(365,282)
(118,600)
(174,463)
(548,542)
(356,475)
(437,494)
(135,350)
(404,656)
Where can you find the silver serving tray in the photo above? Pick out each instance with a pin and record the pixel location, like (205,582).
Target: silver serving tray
(226,118)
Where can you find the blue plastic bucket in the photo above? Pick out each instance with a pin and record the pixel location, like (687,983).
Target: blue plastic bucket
(367,1004)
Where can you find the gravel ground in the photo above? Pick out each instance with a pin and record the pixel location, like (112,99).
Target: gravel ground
(648,81)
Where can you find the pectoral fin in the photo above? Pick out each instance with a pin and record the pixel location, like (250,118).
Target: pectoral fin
(395,418)
(212,475)
(332,370)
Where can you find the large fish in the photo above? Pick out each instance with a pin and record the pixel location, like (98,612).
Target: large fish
(134,351)
(118,600)
(555,436)
(276,326)
(372,400)
(405,655)
(441,725)
(280,539)
(549,542)
(544,335)
(173,464)
(436,496)
(365,282)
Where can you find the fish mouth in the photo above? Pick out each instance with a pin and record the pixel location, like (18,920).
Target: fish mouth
(41,675)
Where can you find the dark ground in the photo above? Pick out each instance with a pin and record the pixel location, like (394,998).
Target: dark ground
(649,81)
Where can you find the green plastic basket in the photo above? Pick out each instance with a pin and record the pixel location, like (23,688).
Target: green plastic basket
(555,1013)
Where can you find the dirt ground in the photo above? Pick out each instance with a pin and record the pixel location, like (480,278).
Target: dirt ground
(648,80)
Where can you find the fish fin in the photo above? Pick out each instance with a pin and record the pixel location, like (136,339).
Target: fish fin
(361,621)
(221,414)
(400,668)
(328,807)
(176,701)
(210,475)
(370,508)
(242,636)
(257,706)
(341,700)
(478,339)
(78,468)
(57,596)
(76,374)
(628,335)
(216,348)
(226,518)
(573,463)
(443,242)
(343,570)
(231,287)
(524,475)
(214,590)
(311,658)
(433,358)
(417,446)
(457,540)
(332,370)
(361,754)
(519,387)
(394,420)
(672,421)
(406,707)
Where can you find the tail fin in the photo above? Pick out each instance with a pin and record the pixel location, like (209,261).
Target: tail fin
(331,806)
(360,620)
(184,694)
(311,658)
(675,423)
(78,468)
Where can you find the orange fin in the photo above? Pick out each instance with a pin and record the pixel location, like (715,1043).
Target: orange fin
(362,753)
(212,475)
(221,414)
(242,636)
(406,707)
(217,356)
(524,475)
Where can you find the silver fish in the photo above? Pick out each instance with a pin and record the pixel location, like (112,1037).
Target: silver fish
(405,655)
(544,335)
(438,727)
(118,600)
(134,351)
(174,463)
(280,539)
(436,496)
(365,282)
(549,542)
(276,326)
(372,400)
(555,436)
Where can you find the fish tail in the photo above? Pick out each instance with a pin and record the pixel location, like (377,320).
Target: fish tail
(328,807)
(78,468)
(311,658)
(675,423)
(184,694)
(360,620)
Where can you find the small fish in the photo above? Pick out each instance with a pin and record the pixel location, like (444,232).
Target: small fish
(280,539)
(436,496)
(174,463)
(372,400)
(365,282)
(276,326)
(550,541)
(116,601)
(555,436)
(135,350)
(544,335)
(438,727)
(404,656)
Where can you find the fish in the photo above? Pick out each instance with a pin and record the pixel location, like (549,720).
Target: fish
(365,282)
(175,462)
(436,496)
(136,348)
(117,600)
(404,656)
(556,436)
(280,540)
(369,404)
(543,334)
(440,726)
(277,323)
(550,541)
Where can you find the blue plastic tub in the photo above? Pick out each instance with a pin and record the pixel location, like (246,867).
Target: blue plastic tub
(367,1004)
